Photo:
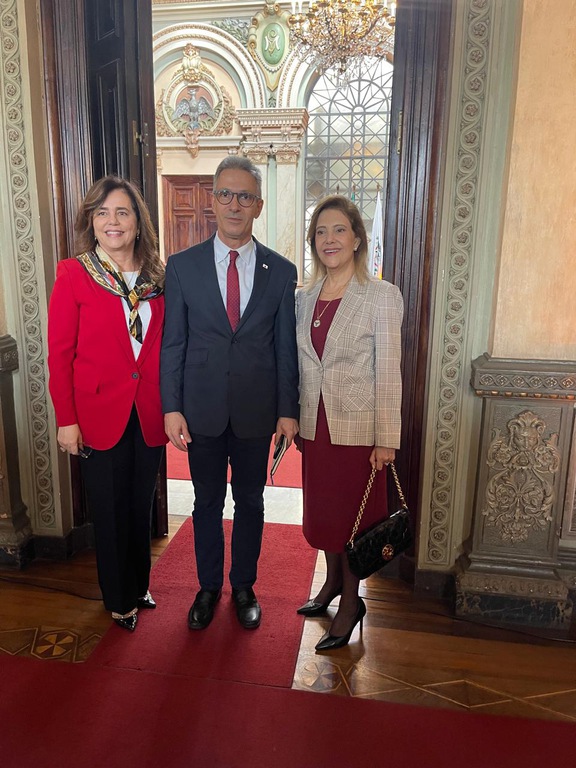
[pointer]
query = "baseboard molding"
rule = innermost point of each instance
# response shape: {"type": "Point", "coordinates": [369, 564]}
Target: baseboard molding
{"type": "Point", "coordinates": [17, 556]}
{"type": "Point", "coordinates": [64, 547]}
{"type": "Point", "coordinates": [434, 584]}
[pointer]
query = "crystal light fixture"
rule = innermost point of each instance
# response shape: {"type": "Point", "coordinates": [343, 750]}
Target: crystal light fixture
{"type": "Point", "coordinates": [339, 34]}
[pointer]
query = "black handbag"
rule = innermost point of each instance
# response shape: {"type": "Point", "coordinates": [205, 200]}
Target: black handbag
{"type": "Point", "coordinates": [383, 541]}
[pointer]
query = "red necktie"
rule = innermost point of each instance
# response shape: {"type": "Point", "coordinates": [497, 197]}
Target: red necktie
{"type": "Point", "coordinates": [233, 291]}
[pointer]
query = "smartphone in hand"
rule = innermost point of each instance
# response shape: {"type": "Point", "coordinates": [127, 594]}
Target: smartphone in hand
{"type": "Point", "coordinates": [279, 451]}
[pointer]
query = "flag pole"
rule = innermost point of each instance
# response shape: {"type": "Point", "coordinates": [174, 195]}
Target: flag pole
{"type": "Point", "coordinates": [376, 241]}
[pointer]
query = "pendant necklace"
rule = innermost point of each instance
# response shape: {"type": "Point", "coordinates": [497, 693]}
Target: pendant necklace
{"type": "Point", "coordinates": [316, 322]}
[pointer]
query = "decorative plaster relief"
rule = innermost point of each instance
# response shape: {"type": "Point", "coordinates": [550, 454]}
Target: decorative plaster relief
{"type": "Point", "coordinates": [471, 116]}
{"type": "Point", "coordinates": [516, 586]}
{"type": "Point", "coordinates": [18, 198]}
{"type": "Point", "coordinates": [268, 42]}
{"type": "Point", "coordinates": [238, 28]}
{"type": "Point", "coordinates": [220, 44]}
{"type": "Point", "coordinates": [520, 492]}
{"type": "Point", "coordinates": [277, 133]}
{"type": "Point", "coordinates": [194, 104]}
{"type": "Point", "coordinates": [519, 385]}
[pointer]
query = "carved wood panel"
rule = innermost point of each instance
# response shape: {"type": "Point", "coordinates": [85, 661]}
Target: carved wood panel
{"type": "Point", "coordinates": [188, 215]}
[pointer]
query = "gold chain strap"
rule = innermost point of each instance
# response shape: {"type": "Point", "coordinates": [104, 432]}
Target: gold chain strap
{"type": "Point", "coordinates": [398, 487]}
{"type": "Point", "coordinates": [365, 499]}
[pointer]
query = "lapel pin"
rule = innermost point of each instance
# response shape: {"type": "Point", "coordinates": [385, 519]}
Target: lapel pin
{"type": "Point", "coordinates": [265, 266]}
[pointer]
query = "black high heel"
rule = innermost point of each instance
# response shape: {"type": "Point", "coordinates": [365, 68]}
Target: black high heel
{"type": "Point", "coordinates": [147, 601]}
{"type": "Point", "coordinates": [329, 642]}
{"type": "Point", "coordinates": [127, 622]}
{"type": "Point", "coordinates": [312, 608]}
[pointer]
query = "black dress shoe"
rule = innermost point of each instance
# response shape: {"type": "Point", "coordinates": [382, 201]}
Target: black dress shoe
{"type": "Point", "coordinates": [330, 642]}
{"type": "Point", "coordinates": [202, 611]}
{"type": "Point", "coordinates": [127, 622]}
{"type": "Point", "coordinates": [247, 608]}
{"type": "Point", "coordinates": [312, 608]}
{"type": "Point", "coordinates": [146, 602]}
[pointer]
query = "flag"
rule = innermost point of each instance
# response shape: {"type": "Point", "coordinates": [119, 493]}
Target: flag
{"type": "Point", "coordinates": [376, 241]}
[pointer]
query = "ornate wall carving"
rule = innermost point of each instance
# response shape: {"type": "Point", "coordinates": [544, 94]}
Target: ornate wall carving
{"type": "Point", "coordinates": [471, 116]}
{"type": "Point", "coordinates": [17, 197]}
{"type": "Point", "coordinates": [277, 133]}
{"type": "Point", "coordinates": [519, 493]}
{"type": "Point", "coordinates": [238, 28]}
{"type": "Point", "coordinates": [194, 104]}
{"type": "Point", "coordinates": [513, 557]}
{"type": "Point", "coordinates": [454, 295]}
{"type": "Point", "coordinates": [268, 41]}
{"type": "Point", "coordinates": [217, 43]}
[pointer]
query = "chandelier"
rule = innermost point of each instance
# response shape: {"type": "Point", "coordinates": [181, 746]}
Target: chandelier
{"type": "Point", "coordinates": [339, 34]}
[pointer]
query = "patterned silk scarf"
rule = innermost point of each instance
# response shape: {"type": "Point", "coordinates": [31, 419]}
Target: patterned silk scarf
{"type": "Point", "coordinates": [102, 270]}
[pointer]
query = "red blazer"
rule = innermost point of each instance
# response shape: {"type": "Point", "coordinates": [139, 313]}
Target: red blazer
{"type": "Point", "coordinates": [94, 378]}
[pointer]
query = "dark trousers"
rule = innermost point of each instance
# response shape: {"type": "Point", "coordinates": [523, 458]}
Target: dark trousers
{"type": "Point", "coordinates": [120, 486]}
{"type": "Point", "coordinates": [208, 458]}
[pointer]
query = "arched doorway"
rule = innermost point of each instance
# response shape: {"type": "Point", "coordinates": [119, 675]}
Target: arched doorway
{"type": "Point", "coordinates": [416, 140]}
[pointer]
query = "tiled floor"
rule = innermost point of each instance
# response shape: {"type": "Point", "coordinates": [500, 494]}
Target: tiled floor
{"type": "Point", "coordinates": [413, 652]}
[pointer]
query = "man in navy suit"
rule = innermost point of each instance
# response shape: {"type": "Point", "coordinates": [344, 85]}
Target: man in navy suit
{"type": "Point", "coordinates": [229, 381]}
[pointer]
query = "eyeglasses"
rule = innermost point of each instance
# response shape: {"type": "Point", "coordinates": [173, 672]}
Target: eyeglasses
{"type": "Point", "coordinates": [225, 197]}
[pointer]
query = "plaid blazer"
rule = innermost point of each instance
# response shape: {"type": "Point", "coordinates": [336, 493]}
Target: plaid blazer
{"type": "Point", "coordinates": [359, 373]}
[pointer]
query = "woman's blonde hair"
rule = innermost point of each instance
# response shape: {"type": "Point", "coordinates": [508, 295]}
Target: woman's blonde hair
{"type": "Point", "coordinates": [347, 207]}
{"type": "Point", "coordinates": [146, 245]}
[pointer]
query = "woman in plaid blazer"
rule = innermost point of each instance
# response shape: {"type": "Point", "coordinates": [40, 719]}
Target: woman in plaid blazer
{"type": "Point", "coordinates": [348, 331]}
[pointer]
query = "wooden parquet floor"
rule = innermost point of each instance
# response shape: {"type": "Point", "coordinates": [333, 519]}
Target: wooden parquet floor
{"type": "Point", "coordinates": [411, 650]}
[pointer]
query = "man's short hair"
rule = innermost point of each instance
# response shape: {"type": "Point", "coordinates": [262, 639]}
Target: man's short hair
{"type": "Point", "coordinates": [239, 163]}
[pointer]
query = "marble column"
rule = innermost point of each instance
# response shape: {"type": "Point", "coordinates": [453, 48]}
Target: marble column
{"type": "Point", "coordinates": [275, 137]}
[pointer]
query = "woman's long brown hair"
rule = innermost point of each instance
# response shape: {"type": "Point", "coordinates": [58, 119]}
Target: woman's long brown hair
{"type": "Point", "coordinates": [146, 245]}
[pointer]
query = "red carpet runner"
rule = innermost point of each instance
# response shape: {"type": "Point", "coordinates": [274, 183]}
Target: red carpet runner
{"type": "Point", "coordinates": [85, 716]}
{"type": "Point", "coordinates": [288, 474]}
{"type": "Point", "coordinates": [224, 651]}
{"type": "Point", "coordinates": [166, 697]}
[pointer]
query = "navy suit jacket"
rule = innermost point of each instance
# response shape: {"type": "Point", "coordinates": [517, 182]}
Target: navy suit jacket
{"type": "Point", "coordinates": [215, 376]}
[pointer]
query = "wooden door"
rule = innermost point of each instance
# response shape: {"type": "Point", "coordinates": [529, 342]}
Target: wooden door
{"type": "Point", "coordinates": [121, 95]}
{"type": "Point", "coordinates": [100, 102]}
{"type": "Point", "coordinates": [188, 217]}
{"type": "Point", "coordinates": [121, 91]}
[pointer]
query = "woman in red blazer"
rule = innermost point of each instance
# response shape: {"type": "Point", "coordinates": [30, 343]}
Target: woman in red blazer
{"type": "Point", "coordinates": [104, 331]}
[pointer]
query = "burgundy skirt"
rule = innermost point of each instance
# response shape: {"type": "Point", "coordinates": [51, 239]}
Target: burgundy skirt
{"type": "Point", "coordinates": [334, 479]}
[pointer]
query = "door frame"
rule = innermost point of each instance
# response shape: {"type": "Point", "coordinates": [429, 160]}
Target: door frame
{"type": "Point", "coordinates": [417, 138]}
{"type": "Point", "coordinates": [418, 135]}
{"type": "Point", "coordinates": [70, 140]}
